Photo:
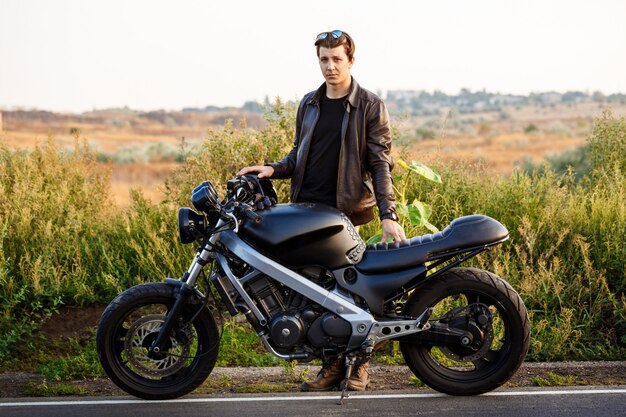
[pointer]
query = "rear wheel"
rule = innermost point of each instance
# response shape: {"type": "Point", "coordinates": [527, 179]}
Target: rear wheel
{"type": "Point", "coordinates": [495, 320]}
{"type": "Point", "coordinates": [129, 326]}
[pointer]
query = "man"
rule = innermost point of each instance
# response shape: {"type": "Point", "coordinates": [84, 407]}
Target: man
{"type": "Point", "coordinates": [341, 157]}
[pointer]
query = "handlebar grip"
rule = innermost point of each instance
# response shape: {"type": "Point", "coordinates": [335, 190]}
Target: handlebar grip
{"type": "Point", "coordinates": [250, 214]}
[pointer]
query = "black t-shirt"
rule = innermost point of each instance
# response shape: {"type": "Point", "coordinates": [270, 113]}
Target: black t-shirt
{"type": "Point", "coordinates": [319, 184]}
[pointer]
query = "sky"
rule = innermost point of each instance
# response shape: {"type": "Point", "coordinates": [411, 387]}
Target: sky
{"type": "Point", "coordinates": [79, 55]}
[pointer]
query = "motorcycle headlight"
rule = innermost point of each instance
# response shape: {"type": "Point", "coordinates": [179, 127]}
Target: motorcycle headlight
{"type": "Point", "coordinates": [191, 225]}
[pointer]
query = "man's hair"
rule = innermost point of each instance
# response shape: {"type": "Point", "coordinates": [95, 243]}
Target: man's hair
{"type": "Point", "coordinates": [331, 42]}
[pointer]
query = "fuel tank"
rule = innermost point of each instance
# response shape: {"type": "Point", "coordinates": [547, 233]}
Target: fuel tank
{"type": "Point", "coordinates": [304, 234]}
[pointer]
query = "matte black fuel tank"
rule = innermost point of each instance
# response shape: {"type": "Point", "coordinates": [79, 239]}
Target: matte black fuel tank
{"type": "Point", "coordinates": [305, 234]}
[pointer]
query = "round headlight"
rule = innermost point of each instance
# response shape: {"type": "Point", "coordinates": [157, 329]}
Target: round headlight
{"type": "Point", "coordinates": [191, 225]}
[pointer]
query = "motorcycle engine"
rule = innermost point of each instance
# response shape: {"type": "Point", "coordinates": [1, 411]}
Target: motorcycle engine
{"type": "Point", "coordinates": [294, 319]}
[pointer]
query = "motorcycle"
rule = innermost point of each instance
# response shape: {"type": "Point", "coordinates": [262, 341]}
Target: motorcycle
{"type": "Point", "coordinates": [311, 289]}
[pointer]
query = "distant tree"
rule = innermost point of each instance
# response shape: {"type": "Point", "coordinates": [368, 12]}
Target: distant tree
{"type": "Point", "coordinates": [598, 96]}
{"type": "Point", "coordinates": [531, 128]}
{"type": "Point", "coordinates": [574, 96]}
{"type": "Point", "coordinates": [252, 106]}
{"type": "Point", "coordinates": [425, 133]}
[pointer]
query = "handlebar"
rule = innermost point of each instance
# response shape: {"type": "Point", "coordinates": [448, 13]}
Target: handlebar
{"type": "Point", "coordinates": [251, 215]}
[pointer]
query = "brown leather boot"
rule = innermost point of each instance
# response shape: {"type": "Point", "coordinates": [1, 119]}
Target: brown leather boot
{"type": "Point", "coordinates": [359, 378]}
{"type": "Point", "coordinates": [328, 378]}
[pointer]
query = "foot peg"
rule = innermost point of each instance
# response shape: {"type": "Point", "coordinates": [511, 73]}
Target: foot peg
{"type": "Point", "coordinates": [422, 321]}
{"type": "Point", "coordinates": [383, 330]}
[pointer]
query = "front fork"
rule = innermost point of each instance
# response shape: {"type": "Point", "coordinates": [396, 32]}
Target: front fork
{"type": "Point", "coordinates": [170, 320]}
{"type": "Point", "coordinates": [187, 284]}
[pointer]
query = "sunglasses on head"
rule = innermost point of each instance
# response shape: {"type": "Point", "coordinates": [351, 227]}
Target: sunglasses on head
{"type": "Point", "coordinates": [336, 34]}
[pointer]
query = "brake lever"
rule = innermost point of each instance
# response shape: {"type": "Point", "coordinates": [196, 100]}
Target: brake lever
{"type": "Point", "coordinates": [232, 216]}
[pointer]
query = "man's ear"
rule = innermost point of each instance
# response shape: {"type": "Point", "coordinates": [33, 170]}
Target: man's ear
{"type": "Point", "coordinates": [352, 62]}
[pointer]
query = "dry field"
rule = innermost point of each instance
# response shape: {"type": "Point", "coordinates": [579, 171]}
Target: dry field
{"type": "Point", "coordinates": [116, 134]}
{"type": "Point", "coordinates": [502, 143]}
{"type": "Point", "coordinates": [499, 153]}
{"type": "Point", "coordinates": [499, 141]}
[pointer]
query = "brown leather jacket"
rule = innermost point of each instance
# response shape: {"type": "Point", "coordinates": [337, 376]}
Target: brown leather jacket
{"type": "Point", "coordinates": [365, 161]}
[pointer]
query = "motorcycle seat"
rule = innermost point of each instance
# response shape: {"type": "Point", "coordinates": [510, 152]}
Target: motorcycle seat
{"type": "Point", "coordinates": [464, 232]}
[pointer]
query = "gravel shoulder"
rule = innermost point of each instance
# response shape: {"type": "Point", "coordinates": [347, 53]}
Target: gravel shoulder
{"type": "Point", "coordinates": [78, 323]}
{"type": "Point", "coordinates": [287, 379]}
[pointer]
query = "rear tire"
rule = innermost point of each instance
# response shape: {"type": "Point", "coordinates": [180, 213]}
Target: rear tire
{"type": "Point", "coordinates": [129, 325]}
{"type": "Point", "coordinates": [505, 341]}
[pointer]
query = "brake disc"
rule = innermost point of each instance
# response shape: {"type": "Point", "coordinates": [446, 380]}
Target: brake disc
{"type": "Point", "coordinates": [139, 338]}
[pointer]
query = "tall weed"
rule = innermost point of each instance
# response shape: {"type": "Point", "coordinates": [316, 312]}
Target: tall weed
{"type": "Point", "coordinates": [567, 250]}
{"type": "Point", "coordinates": [62, 241]}
{"type": "Point", "coordinates": [226, 151]}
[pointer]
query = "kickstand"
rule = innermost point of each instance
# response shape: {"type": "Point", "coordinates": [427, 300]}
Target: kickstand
{"type": "Point", "coordinates": [350, 360]}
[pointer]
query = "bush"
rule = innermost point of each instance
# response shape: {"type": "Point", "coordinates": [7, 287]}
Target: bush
{"type": "Point", "coordinates": [608, 144]}
{"type": "Point", "coordinates": [63, 242]}
{"type": "Point", "coordinates": [226, 151]}
{"type": "Point", "coordinates": [575, 161]}
{"type": "Point", "coordinates": [567, 250]}
{"type": "Point", "coordinates": [604, 151]}
{"type": "Point", "coordinates": [531, 128]}
{"type": "Point", "coordinates": [51, 207]}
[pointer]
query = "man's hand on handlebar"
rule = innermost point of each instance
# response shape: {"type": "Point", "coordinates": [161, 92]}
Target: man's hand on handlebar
{"type": "Point", "coordinates": [263, 171]}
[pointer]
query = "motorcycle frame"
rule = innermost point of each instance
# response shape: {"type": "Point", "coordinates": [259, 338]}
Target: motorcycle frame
{"type": "Point", "coordinates": [366, 330]}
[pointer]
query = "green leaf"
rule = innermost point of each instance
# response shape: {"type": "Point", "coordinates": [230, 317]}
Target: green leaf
{"type": "Point", "coordinates": [374, 239]}
{"type": "Point", "coordinates": [402, 164]}
{"type": "Point", "coordinates": [419, 213]}
{"type": "Point", "coordinates": [402, 209]}
{"type": "Point", "coordinates": [424, 208]}
{"type": "Point", "coordinates": [421, 169]}
{"type": "Point", "coordinates": [416, 217]}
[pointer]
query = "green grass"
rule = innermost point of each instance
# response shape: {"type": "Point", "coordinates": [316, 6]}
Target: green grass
{"type": "Point", "coordinates": [63, 242]}
{"type": "Point", "coordinates": [240, 346]}
{"type": "Point", "coordinates": [261, 387]}
{"type": "Point", "coordinates": [555, 380]}
{"type": "Point", "coordinates": [415, 381]}
{"type": "Point", "coordinates": [54, 390]}
{"type": "Point", "coordinates": [80, 362]}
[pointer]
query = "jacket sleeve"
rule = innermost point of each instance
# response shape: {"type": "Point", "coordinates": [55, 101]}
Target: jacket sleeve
{"type": "Point", "coordinates": [379, 160]}
{"type": "Point", "coordinates": [284, 168]}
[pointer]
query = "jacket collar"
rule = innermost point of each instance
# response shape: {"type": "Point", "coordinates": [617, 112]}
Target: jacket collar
{"type": "Point", "coordinates": [353, 97]}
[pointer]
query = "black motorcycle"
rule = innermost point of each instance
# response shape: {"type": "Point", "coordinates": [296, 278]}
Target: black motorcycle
{"type": "Point", "coordinates": [311, 288]}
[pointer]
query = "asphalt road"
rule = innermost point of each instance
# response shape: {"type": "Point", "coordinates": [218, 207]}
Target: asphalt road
{"type": "Point", "coordinates": [588, 401]}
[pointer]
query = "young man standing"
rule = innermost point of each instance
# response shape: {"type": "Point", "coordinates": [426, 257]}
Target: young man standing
{"type": "Point", "coordinates": [341, 157]}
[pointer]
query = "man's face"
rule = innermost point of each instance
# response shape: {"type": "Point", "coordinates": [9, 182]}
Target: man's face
{"type": "Point", "coordinates": [335, 65]}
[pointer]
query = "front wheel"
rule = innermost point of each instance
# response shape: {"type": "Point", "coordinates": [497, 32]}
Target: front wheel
{"type": "Point", "coordinates": [131, 323]}
{"type": "Point", "coordinates": [493, 317]}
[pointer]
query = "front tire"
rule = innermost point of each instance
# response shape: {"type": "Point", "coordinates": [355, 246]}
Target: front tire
{"type": "Point", "coordinates": [130, 324]}
{"type": "Point", "coordinates": [500, 345]}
